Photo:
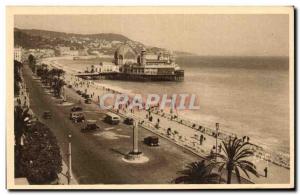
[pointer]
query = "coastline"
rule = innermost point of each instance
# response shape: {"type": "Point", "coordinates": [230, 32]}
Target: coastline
{"type": "Point", "coordinates": [263, 153]}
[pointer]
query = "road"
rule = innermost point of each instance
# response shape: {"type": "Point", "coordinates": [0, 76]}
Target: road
{"type": "Point", "coordinates": [97, 157]}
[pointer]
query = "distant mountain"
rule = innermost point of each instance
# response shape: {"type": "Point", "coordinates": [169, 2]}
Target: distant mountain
{"type": "Point", "coordinates": [63, 35]}
{"type": "Point", "coordinates": [103, 42]}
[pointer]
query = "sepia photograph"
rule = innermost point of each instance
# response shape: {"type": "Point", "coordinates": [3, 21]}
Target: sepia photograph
{"type": "Point", "coordinates": [150, 97]}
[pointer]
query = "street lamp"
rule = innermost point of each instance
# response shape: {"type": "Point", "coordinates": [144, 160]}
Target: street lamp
{"type": "Point", "coordinates": [69, 174]}
{"type": "Point", "coordinates": [217, 132]}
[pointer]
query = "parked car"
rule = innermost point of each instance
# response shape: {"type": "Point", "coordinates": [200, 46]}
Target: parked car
{"type": "Point", "coordinates": [77, 117]}
{"type": "Point", "coordinates": [112, 118]}
{"type": "Point", "coordinates": [78, 92]}
{"type": "Point", "coordinates": [85, 95]}
{"type": "Point", "coordinates": [69, 86]}
{"type": "Point", "coordinates": [90, 126]}
{"type": "Point", "coordinates": [76, 109]}
{"type": "Point", "coordinates": [88, 101]}
{"type": "Point", "coordinates": [128, 121]}
{"type": "Point", "coordinates": [47, 115]}
{"type": "Point", "coordinates": [151, 141]}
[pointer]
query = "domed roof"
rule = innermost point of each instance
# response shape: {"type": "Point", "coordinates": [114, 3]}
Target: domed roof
{"type": "Point", "coordinates": [125, 51]}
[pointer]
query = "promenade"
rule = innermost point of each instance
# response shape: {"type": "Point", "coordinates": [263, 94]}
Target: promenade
{"type": "Point", "coordinates": [97, 157]}
{"type": "Point", "coordinates": [181, 134]}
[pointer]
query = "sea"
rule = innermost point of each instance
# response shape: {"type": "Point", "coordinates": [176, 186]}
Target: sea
{"type": "Point", "coordinates": [248, 96]}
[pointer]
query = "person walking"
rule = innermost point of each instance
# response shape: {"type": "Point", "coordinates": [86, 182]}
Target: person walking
{"type": "Point", "coordinates": [201, 139]}
{"type": "Point", "coordinates": [266, 172]}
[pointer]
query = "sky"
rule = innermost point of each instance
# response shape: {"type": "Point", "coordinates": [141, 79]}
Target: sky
{"type": "Point", "coordinates": [202, 34]}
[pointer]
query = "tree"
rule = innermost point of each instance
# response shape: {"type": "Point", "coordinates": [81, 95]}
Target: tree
{"type": "Point", "coordinates": [20, 123]}
{"type": "Point", "coordinates": [17, 77]}
{"type": "Point", "coordinates": [233, 158]}
{"type": "Point", "coordinates": [41, 158]}
{"type": "Point", "coordinates": [32, 62]}
{"type": "Point", "coordinates": [198, 173]}
{"type": "Point", "coordinates": [20, 126]}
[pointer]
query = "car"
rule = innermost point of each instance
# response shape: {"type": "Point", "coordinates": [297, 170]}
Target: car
{"type": "Point", "coordinates": [77, 117]}
{"type": "Point", "coordinates": [90, 126]}
{"type": "Point", "coordinates": [151, 141]}
{"type": "Point", "coordinates": [128, 121]}
{"type": "Point", "coordinates": [78, 92]}
{"type": "Point", "coordinates": [85, 95]}
{"type": "Point", "coordinates": [76, 109]}
{"type": "Point", "coordinates": [88, 101]}
{"type": "Point", "coordinates": [112, 118]}
{"type": "Point", "coordinates": [47, 115]}
{"type": "Point", "coordinates": [69, 86]}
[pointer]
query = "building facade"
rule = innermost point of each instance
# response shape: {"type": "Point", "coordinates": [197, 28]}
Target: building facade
{"type": "Point", "coordinates": [18, 54]}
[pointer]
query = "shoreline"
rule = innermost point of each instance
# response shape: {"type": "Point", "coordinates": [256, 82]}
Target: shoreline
{"type": "Point", "coordinates": [97, 86]}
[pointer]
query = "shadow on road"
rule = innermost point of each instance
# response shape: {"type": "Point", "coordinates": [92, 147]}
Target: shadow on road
{"type": "Point", "coordinates": [117, 151]}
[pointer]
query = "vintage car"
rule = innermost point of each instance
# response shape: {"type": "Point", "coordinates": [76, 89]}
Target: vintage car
{"type": "Point", "coordinates": [77, 117]}
{"type": "Point", "coordinates": [78, 92]}
{"type": "Point", "coordinates": [128, 121]}
{"type": "Point", "coordinates": [88, 101]}
{"type": "Point", "coordinates": [151, 141]}
{"type": "Point", "coordinates": [76, 109]}
{"type": "Point", "coordinates": [47, 115]}
{"type": "Point", "coordinates": [90, 126]}
{"type": "Point", "coordinates": [112, 118]}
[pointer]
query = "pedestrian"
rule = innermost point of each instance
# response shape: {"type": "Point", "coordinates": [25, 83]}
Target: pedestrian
{"type": "Point", "coordinates": [150, 118]}
{"type": "Point", "coordinates": [266, 171]}
{"type": "Point", "coordinates": [169, 131]}
{"type": "Point", "coordinates": [244, 137]}
{"type": "Point", "coordinates": [201, 139]}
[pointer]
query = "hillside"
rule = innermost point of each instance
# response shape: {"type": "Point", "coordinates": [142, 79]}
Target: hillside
{"type": "Point", "coordinates": [101, 42]}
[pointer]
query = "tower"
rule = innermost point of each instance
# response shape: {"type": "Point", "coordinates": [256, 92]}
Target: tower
{"type": "Point", "coordinates": [143, 57]}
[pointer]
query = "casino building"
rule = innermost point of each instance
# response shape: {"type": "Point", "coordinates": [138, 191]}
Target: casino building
{"type": "Point", "coordinates": [144, 67]}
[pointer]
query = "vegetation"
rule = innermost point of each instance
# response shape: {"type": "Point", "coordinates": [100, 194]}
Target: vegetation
{"type": "Point", "coordinates": [233, 158]}
{"type": "Point", "coordinates": [41, 158]}
{"type": "Point", "coordinates": [198, 173]}
{"type": "Point", "coordinates": [37, 156]}
{"type": "Point", "coordinates": [52, 78]}
{"type": "Point", "coordinates": [17, 77]}
{"type": "Point", "coordinates": [32, 62]}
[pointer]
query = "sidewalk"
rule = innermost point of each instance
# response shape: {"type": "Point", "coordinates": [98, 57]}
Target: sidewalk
{"type": "Point", "coordinates": [63, 180]}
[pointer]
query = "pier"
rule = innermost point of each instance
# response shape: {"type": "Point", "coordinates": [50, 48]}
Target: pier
{"type": "Point", "coordinates": [177, 76]}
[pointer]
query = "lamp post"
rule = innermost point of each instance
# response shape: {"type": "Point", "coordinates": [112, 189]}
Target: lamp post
{"type": "Point", "coordinates": [217, 132]}
{"type": "Point", "coordinates": [69, 174]}
{"type": "Point", "coordinates": [135, 148]}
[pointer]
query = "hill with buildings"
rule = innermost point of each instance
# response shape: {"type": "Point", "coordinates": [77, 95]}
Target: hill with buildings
{"type": "Point", "coordinates": [105, 43]}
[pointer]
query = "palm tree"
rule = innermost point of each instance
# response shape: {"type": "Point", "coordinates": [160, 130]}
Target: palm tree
{"type": "Point", "coordinates": [198, 173]}
{"type": "Point", "coordinates": [20, 116]}
{"type": "Point", "coordinates": [233, 158]}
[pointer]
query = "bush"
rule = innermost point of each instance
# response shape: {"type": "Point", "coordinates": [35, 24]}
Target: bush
{"type": "Point", "coordinates": [41, 158]}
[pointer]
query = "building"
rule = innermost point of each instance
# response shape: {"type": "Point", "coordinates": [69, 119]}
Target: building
{"type": "Point", "coordinates": [146, 67]}
{"type": "Point", "coordinates": [124, 55]}
{"type": "Point", "coordinates": [66, 51]}
{"type": "Point", "coordinates": [18, 54]}
{"type": "Point", "coordinates": [129, 65]}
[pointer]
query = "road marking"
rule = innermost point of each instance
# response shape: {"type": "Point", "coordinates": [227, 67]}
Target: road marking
{"type": "Point", "coordinates": [108, 128]}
